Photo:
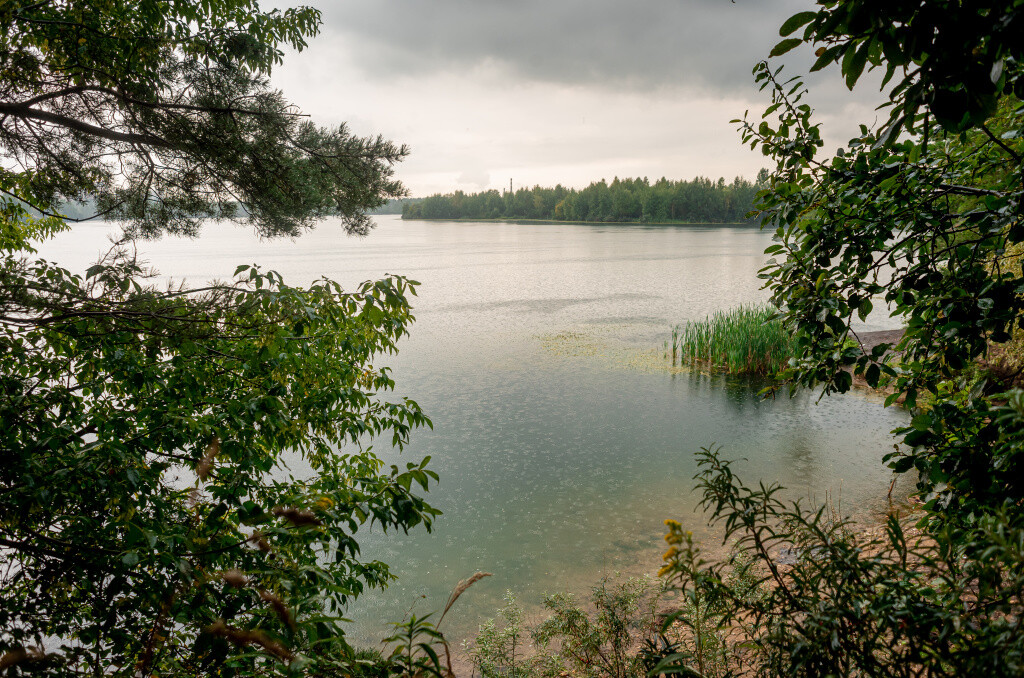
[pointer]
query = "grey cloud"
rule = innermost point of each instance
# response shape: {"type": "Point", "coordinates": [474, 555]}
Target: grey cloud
{"type": "Point", "coordinates": [633, 44]}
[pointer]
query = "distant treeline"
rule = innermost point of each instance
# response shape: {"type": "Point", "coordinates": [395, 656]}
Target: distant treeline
{"type": "Point", "coordinates": [78, 211]}
{"type": "Point", "coordinates": [702, 201]}
{"type": "Point", "coordinates": [393, 206]}
{"type": "Point", "coordinates": [87, 209]}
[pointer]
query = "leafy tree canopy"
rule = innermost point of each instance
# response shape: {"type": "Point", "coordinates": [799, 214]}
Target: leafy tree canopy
{"type": "Point", "coordinates": [149, 524]}
{"type": "Point", "coordinates": [920, 216]}
{"type": "Point", "coordinates": [163, 111]}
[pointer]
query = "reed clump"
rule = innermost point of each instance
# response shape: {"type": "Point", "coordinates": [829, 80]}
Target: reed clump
{"type": "Point", "coordinates": [748, 340]}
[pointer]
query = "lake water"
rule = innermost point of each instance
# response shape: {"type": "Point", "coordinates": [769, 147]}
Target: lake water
{"type": "Point", "coordinates": [562, 440]}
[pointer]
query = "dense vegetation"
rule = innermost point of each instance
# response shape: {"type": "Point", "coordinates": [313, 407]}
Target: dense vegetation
{"type": "Point", "coordinates": [847, 602]}
{"type": "Point", "coordinates": [597, 637]}
{"type": "Point", "coordinates": [745, 340]}
{"type": "Point", "coordinates": [148, 525]}
{"type": "Point", "coordinates": [923, 214]}
{"type": "Point", "coordinates": [701, 201]}
{"type": "Point", "coordinates": [144, 533]}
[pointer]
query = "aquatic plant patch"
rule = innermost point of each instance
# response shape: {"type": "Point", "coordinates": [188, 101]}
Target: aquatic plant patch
{"type": "Point", "coordinates": [742, 340]}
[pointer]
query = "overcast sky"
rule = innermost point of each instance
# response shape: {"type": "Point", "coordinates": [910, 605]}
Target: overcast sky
{"type": "Point", "coordinates": [554, 91]}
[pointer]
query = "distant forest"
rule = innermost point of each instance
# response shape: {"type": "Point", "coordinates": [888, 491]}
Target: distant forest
{"type": "Point", "coordinates": [393, 206]}
{"type": "Point", "coordinates": [87, 209]}
{"type": "Point", "coordinates": [701, 201]}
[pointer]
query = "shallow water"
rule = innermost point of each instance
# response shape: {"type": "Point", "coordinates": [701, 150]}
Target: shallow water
{"type": "Point", "coordinates": [561, 439]}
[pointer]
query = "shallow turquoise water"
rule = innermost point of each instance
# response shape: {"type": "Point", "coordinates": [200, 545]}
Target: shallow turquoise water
{"type": "Point", "coordinates": [561, 440]}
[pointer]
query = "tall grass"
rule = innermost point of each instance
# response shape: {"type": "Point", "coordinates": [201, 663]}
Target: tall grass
{"type": "Point", "coordinates": [743, 340]}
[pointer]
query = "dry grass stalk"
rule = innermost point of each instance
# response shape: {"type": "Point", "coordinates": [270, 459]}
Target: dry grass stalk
{"type": "Point", "coordinates": [279, 607]}
{"type": "Point", "coordinates": [244, 637]}
{"type": "Point", "coordinates": [234, 578]}
{"type": "Point", "coordinates": [459, 589]}
{"type": "Point", "coordinates": [297, 517]}
{"type": "Point", "coordinates": [21, 656]}
{"type": "Point", "coordinates": [206, 463]}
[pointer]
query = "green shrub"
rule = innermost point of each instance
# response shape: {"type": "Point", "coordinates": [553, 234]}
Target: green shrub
{"type": "Point", "coordinates": [502, 651]}
{"type": "Point", "coordinates": [852, 604]}
{"type": "Point", "coordinates": [606, 643]}
{"type": "Point", "coordinates": [609, 638]}
{"type": "Point", "coordinates": [414, 648]}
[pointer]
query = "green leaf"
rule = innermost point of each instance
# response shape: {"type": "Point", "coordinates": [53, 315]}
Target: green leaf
{"type": "Point", "coordinates": [854, 62]}
{"type": "Point", "coordinates": [902, 465]}
{"type": "Point", "coordinates": [826, 57]}
{"type": "Point", "coordinates": [796, 21]}
{"type": "Point", "coordinates": [872, 375]}
{"type": "Point", "coordinates": [864, 309]}
{"type": "Point", "coordinates": [785, 46]}
{"type": "Point", "coordinates": [916, 437]}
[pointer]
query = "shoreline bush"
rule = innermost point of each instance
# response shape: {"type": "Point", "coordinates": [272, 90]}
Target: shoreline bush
{"type": "Point", "coordinates": [853, 603]}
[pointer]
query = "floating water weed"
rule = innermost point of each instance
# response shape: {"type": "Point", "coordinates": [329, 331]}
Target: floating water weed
{"type": "Point", "coordinates": [743, 340]}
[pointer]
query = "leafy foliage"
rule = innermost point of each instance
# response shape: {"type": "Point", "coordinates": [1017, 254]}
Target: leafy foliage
{"type": "Point", "coordinates": [149, 520]}
{"type": "Point", "coordinates": [921, 215]}
{"type": "Point", "coordinates": [602, 638]}
{"type": "Point", "coordinates": [162, 111]}
{"type": "Point", "coordinates": [502, 651]}
{"type": "Point", "coordinates": [702, 640]}
{"type": "Point", "coordinates": [916, 217]}
{"type": "Point", "coordinates": [147, 438]}
{"type": "Point", "coordinates": [604, 645]}
{"type": "Point", "coordinates": [852, 603]}
{"type": "Point", "coordinates": [413, 650]}
{"type": "Point", "coordinates": [956, 60]}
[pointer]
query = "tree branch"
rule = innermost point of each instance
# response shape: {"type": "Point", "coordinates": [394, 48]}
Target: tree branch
{"type": "Point", "coordinates": [148, 104]}
{"type": "Point", "coordinates": [999, 142]}
{"type": "Point", "coordinates": [26, 112]}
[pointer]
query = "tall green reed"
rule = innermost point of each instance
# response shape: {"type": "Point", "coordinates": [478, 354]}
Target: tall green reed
{"type": "Point", "coordinates": [744, 340]}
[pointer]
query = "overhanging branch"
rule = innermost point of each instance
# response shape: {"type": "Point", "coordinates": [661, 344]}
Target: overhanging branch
{"type": "Point", "coordinates": [69, 91]}
{"type": "Point", "coordinates": [29, 113]}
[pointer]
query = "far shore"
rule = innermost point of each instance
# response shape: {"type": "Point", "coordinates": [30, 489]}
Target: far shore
{"type": "Point", "coordinates": [592, 223]}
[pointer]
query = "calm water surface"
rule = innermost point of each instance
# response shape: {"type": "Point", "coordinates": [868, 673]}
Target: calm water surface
{"type": "Point", "coordinates": [561, 439]}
